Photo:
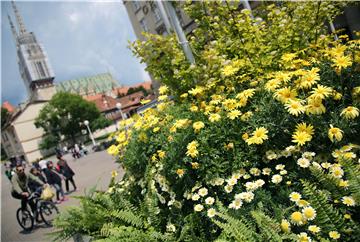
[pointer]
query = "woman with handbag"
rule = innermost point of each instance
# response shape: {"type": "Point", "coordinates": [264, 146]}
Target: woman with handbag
{"type": "Point", "coordinates": [67, 172]}
{"type": "Point", "coordinates": [54, 179]}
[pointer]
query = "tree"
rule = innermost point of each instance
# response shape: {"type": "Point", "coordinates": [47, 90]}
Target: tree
{"type": "Point", "coordinates": [137, 89]}
{"type": "Point", "coordinates": [65, 114]}
{"type": "Point", "coordinates": [49, 142]}
{"type": "Point", "coordinates": [4, 116]}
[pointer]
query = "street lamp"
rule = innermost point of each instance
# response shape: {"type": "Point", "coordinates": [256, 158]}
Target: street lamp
{"type": "Point", "coordinates": [91, 135]}
{"type": "Point", "coordinates": [118, 106]}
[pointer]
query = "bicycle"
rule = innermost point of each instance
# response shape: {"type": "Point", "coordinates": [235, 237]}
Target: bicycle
{"type": "Point", "coordinates": [46, 209]}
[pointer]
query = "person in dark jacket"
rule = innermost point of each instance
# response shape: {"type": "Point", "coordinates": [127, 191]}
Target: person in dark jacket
{"type": "Point", "coordinates": [67, 172]}
{"type": "Point", "coordinates": [34, 185]}
{"type": "Point", "coordinates": [54, 179]}
{"type": "Point", "coordinates": [20, 188]}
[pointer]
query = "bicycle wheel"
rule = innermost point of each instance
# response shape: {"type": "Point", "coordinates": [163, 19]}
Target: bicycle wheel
{"type": "Point", "coordinates": [25, 219]}
{"type": "Point", "coordinates": [48, 212]}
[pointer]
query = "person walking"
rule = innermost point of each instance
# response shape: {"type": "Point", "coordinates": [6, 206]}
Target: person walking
{"type": "Point", "coordinates": [67, 172]}
{"type": "Point", "coordinates": [54, 179]}
{"type": "Point", "coordinates": [43, 164]}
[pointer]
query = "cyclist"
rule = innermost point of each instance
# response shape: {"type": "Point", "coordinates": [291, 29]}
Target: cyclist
{"type": "Point", "coordinates": [20, 188]}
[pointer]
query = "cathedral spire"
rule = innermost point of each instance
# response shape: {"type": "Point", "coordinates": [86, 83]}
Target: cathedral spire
{"type": "Point", "coordinates": [13, 30]}
{"type": "Point", "coordinates": [19, 19]}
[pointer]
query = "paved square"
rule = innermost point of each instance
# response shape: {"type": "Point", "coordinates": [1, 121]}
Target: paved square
{"type": "Point", "coordinates": [94, 169]}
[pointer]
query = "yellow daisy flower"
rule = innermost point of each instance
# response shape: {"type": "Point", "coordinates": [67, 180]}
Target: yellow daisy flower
{"type": "Point", "coordinates": [315, 106]}
{"type": "Point", "coordinates": [295, 107]}
{"type": "Point", "coordinates": [350, 112]}
{"type": "Point", "coordinates": [295, 196]}
{"type": "Point", "coordinates": [342, 61]}
{"type": "Point", "coordinates": [163, 90]}
{"type": "Point", "coordinates": [300, 138]}
{"type": "Point", "coordinates": [180, 172]}
{"type": "Point", "coordinates": [321, 92]}
{"type": "Point", "coordinates": [314, 229]}
{"type": "Point", "coordinates": [198, 125]}
{"type": "Point", "coordinates": [334, 235]}
{"type": "Point", "coordinates": [285, 226]}
{"type": "Point", "coordinates": [348, 201]}
{"type": "Point", "coordinates": [233, 114]}
{"type": "Point", "coordinates": [307, 128]}
{"type": "Point", "coordinates": [214, 117]}
{"type": "Point", "coordinates": [285, 94]}
{"type": "Point", "coordinates": [309, 213]}
{"type": "Point", "coordinates": [296, 218]}
{"type": "Point", "coordinates": [335, 133]}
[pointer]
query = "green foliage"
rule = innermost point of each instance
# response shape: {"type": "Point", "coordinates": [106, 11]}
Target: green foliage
{"type": "Point", "coordinates": [5, 115]}
{"type": "Point", "coordinates": [64, 114]}
{"type": "Point", "coordinates": [353, 171]}
{"type": "Point", "coordinates": [49, 142]}
{"type": "Point", "coordinates": [251, 147]}
{"type": "Point", "coordinates": [327, 216]}
{"type": "Point", "coordinates": [137, 89]}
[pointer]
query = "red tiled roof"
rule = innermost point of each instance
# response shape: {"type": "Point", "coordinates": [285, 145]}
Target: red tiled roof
{"type": "Point", "coordinates": [93, 97]}
{"type": "Point", "coordinates": [129, 102]}
{"type": "Point", "coordinates": [102, 102]}
{"type": "Point", "coordinates": [8, 106]}
{"type": "Point", "coordinates": [124, 90]}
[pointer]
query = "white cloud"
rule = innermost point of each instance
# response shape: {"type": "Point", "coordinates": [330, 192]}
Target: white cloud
{"type": "Point", "coordinates": [74, 18]}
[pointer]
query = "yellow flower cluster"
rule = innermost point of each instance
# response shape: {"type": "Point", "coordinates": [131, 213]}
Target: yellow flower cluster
{"type": "Point", "coordinates": [303, 134]}
{"type": "Point", "coordinates": [258, 136]}
{"type": "Point", "coordinates": [192, 149]}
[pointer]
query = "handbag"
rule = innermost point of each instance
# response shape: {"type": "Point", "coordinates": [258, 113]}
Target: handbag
{"type": "Point", "coordinates": [47, 193]}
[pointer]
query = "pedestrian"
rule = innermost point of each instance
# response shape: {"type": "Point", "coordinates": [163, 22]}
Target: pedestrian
{"type": "Point", "coordinates": [54, 179]}
{"type": "Point", "coordinates": [33, 183]}
{"type": "Point", "coordinates": [8, 171]}
{"type": "Point", "coordinates": [58, 151]}
{"type": "Point", "coordinates": [65, 149]}
{"type": "Point", "coordinates": [43, 164]}
{"type": "Point", "coordinates": [67, 172]}
{"type": "Point", "coordinates": [77, 150]}
{"type": "Point", "coordinates": [83, 148]}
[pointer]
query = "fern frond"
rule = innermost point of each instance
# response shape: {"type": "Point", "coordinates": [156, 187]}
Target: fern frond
{"type": "Point", "coordinates": [270, 229]}
{"type": "Point", "coordinates": [327, 216]}
{"type": "Point", "coordinates": [128, 217]}
{"type": "Point", "coordinates": [236, 228]}
{"type": "Point", "coordinates": [328, 181]}
{"type": "Point", "coordinates": [353, 175]}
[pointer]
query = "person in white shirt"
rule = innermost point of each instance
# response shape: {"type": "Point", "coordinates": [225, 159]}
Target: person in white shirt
{"type": "Point", "coordinates": [43, 164]}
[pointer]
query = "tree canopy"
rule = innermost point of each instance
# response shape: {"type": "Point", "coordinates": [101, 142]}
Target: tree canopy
{"type": "Point", "coordinates": [4, 116]}
{"type": "Point", "coordinates": [65, 114]}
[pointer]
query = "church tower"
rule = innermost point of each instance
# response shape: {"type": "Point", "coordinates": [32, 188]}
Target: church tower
{"type": "Point", "coordinates": [34, 66]}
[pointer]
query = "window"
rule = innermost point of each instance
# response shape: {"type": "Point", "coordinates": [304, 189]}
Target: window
{"type": "Point", "coordinates": [178, 13]}
{"type": "Point", "coordinates": [136, 5]}
{"type": "Point", "coordinates": [40, 69]}
{"type": "Point", "coordinates": [5, 137]}
{"type": "Point", "coordinates": [161, 30]}
{"type": "Point", "coordinates": [143, 25]}
{"type": "Point", "coordinates": [157, 15]}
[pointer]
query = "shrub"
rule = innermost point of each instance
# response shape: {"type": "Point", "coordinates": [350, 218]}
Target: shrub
{"type": "Point", "coordinates": [263, 147]}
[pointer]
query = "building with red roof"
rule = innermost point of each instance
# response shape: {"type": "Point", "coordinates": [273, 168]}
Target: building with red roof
{"type": "Point", "coordinates": [8, 107]}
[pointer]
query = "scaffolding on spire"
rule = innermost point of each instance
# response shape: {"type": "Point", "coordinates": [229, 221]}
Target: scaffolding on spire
{"type": "Point", "coordinates": [19, 19]}
{"type": "Point", "coordinates": [13, 30]}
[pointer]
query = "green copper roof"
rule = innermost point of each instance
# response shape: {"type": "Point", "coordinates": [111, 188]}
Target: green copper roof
{"type": "Point", "coordinates": [88, 85]}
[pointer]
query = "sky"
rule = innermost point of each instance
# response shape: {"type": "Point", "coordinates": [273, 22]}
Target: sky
{"type": "Point", "coordinates": [80, 38]}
